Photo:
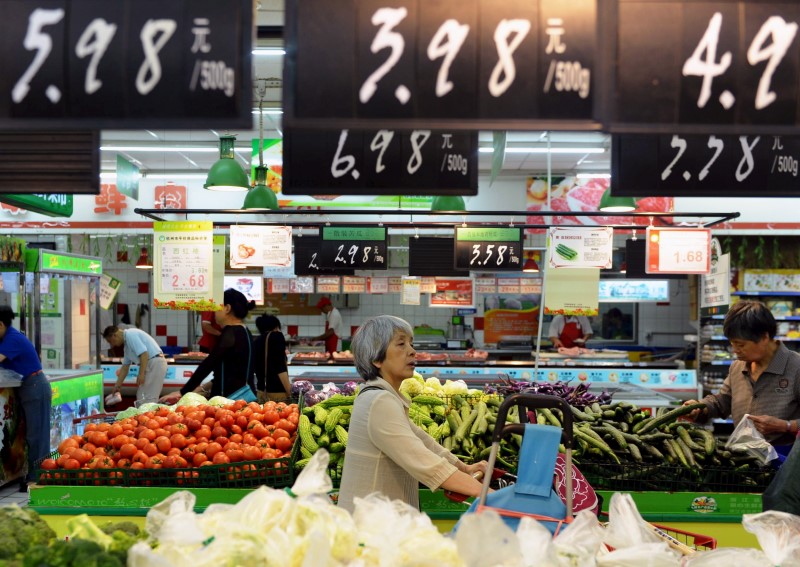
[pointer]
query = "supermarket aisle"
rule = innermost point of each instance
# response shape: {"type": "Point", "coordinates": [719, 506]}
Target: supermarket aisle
{"type": "Point", "coordinates": [10, 494]}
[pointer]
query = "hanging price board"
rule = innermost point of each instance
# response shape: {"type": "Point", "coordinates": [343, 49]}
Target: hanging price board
{"type": "Point", "coordinates": [307, 258]}
{"type": "Point", "coordinates": [253, 245]}
{"type": "Point", "coordinates": [354, 247]}
{"type": "Point", "coordinates": [678, 250]}
{"type": "Point", "coordinates": [488, 249]}
{"type": "Point", "coordinates": [182, 270]}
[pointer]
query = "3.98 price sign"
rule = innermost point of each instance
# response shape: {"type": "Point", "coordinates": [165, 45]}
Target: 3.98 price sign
{"type": "Point", "coordinates": [733, 65]}
{"type": "Point", "coordinates": [488, 249]}
{"type": "Point", "coordinates": [381, 162]}
{"type": "Point", "coordinates": [449, 64]}
{"type": "Point", "coordinates": [355, 247]}
{"type": "Point", "coordinates": [127, 63]}
{"type": "Point", "coordinates": [678, 251]}
{"type": "Point", "coordinates": [712, 166]}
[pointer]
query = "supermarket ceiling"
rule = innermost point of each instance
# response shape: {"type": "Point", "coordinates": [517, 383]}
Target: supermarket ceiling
{"type": "Point", "coordinates": [190, 153]}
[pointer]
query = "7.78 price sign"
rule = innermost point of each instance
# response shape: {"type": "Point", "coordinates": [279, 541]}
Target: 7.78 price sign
{"type": "Point", "coordinates": [678, 251]}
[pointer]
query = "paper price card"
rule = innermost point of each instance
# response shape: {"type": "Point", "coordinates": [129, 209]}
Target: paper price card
{"type": "Point", "coordinates": [183, 264]}
{"type": "Point", "coordinates": [378, 285]}
{"type": "Point", "coordinates": [395, 285]}
{"type": "Point", "coordinates": [530, 285]}
{"type": "Point", "coordinates": [411, 291]}
{"type": "Point", "coordinates": [485, 285]}
{"type": "Point", "coordinates": [428, 285]}
{"type": "Point", "coordinates": [279, 285]}
{"type": "Point", "coordinates": [354, 284]}
{"type": "Point", "coordinates": [508, 285]}
{"type": "Point", "coordinates": [678, 251]}
{"type": "Point", "coordinates": [301, 285]}
{"type": "Point", "coordinates": [579, 247]}
{"type": "Point", "coordinates": [261, 245]}
{"type": "Point", "coordinates": [328, 284]}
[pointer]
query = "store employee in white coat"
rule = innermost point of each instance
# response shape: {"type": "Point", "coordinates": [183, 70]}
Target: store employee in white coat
{"type": "Point", "coordinates": [142, 348]}
{"type": "Point", "coordinates": [570, 330]}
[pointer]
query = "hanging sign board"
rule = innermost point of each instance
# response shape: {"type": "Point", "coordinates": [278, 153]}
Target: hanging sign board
{"type": "Point", "coordinates": [52, 205]}
{"type": "Point", "coordinates": [704, 66]}
{"type": "Point", "coordinates": [715, 289]}
{"type": "Point", "coordinates": [488, 64]}
{"type": "Point", "coordinates": [253, 245]}
{"type": "Point", "coordinates": [182, 265]}
{"type": "Point", "coordinates": [705, 166]}
{"type": "Point", "coordinates": [381, 162]}
{"type": "Point", "coordinates": [453, 293]}
{"type": "Point", "coordinates": [307, 254]}
{"type": "Point", "coordinates": [678, 250]}
{"type": "Point", "coordinates": [356, 247]}
{"type": "Point", "coordinates": [488, 249]}
{"type": "Point", "coordinates": [109, 288]}
{"type": "Point", "coordinates": [580, 247]}
{"type": "Point", "coordinates": [126, 64]}
{"type": "Point", "coordinates": [572, 292]}
{"type": "Point", "coordinates": [63, 262]}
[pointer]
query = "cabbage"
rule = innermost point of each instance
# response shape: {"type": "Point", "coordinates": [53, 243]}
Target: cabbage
{"type": "Point", "coordinates": [433, 383]}
{"type": "Point", "coordinates": [411, 387]}
{"type": "Point", "coordinates": [152, 406]}
{"type": "Point", "coordinates": [350, 388]}
{"type": "Point", "coordinates": [301, 387]}
{"type": "Point", "coordinates": [330, 389]}
{"type": "Point", "coordinates": [418, 377]}
{"type": "Point", "coordinates": [191, 399]}
{"type": "Point", "coordinates": [454, 388]}
{"type": "Point", "coordinates": [312, 397]}
{"type": "Point", "coordinates": [219, 401]}
{"type": "Point", "coordinates": [130, 412]}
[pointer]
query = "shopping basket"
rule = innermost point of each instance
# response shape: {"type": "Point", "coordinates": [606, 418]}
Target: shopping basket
{"type": "Point", "coordinates": [533, 494]}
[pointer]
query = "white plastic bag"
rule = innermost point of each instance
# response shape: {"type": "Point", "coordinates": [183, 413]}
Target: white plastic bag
{"type": "Point", "coordinates": [747, 438]}
{"type": "Point", "coordinates": [734, 556]}
{"type": "Point", "coordinates": [478, 533]}
{"type": "Point", "coordinates": [778, 535]}
{"type": "Point", "coordinates": [578, 543]}
{"type": "Point", "coordinates": [641, 555]}
{"type": "Point", "coordinates": [113, 399]}
{"type": "Point", "coordinates": [626, 527]}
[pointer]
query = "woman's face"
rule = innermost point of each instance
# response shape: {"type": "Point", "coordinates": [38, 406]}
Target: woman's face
{"type": "Point", "coordinates": [400, 359]}
{"type": "Point", "coordinates": [751, 351]}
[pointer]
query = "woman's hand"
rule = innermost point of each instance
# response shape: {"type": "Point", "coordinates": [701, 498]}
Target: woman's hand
{"type": "Point", "coordinates": [766, 424]}
{"type": "Point", "coordinates": [695, 414]}
{"type": "Point", "coordinates": [170, 398]}
{"type": "Point", "coordinates": [476, 468]}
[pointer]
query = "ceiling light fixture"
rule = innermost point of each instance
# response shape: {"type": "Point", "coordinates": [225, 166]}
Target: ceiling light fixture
{"type": "Point", "coordinates": [530, 265]}
{"type": "Point", "coordinates": [544, 150]}
{"type": "Point", "coordinates": [448, 203]}
{"type": "Point", "coordinates": [269, 51]}
{"type": "Point", "coordinates": [226, 174]}
{"type": "Point", "coordinates": [611, 204]}
{"type": "Point", "coordinates": [260, 196]}
{"type": "Point", "coordinates": [593, 176]}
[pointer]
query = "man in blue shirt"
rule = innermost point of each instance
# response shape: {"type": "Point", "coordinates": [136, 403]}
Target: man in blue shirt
{"type": "Point", "coordinates": [143, 349]}
{"type": "Point", "coordinates": [35, 396]}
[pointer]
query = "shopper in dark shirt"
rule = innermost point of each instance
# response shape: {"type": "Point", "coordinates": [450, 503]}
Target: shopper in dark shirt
{"type": "Point", "coordinates": [269, 359]}
{"type": "Point", "coordinates": [231, 359]}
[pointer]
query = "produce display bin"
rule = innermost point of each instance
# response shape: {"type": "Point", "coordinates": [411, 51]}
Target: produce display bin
{"type": "Point", "coordinates": [659, 477]}
{"type": "Point", "coordinates": [695, 541]}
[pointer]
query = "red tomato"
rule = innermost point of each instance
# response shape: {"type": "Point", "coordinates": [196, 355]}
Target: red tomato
{"type": "Point", "coordinates": [219, 432]}
{"type": "Point", "coordinates": [286, 412]}
{"type": "Point", "coordinates": [251, 453]}
{"type": "Point", "coordinates": [241, 421]}
{"type": "Point", "coordinates": [127, 451]}
{"type": "Point", "coordinates": [249, 439]}
{"type": "Point", "coordinates": [235, 438]}
{"type": "Point", "coordinates": [179, 428]}
{"type": "Point", "coordinates": [283, 444]}
{"type": "Point", "coordinates": [226, 421]}
{"type": "Point", "coordinates": [286, 425]}
{"type": "Point", "coordinates": [72, 464]}
{"type": "Point", "coordinates": [114, 430]}
{"type": "Point", "coordinates": [67, 444]}
{"type": "Point", "coordinates": [150, 449]}
{"type": "Point", "coordinates": [213, 449]}
{"type": "Point", "coordinates": [235, 455]}
{"type": "Point", "coordinates": [220, 459]}
{"type": "Point", "coordinates": [278, 433]}
{"type": "Point", "coordinates": [163, 444]}
{"type": "Point", "coordinates": [199, 459]}
{"type": "Point", "coordinates": [49, 464]}
{"type": "Point", "coordinates": [271, 417]}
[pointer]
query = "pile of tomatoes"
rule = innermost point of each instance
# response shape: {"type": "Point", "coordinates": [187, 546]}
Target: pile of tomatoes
{"type": "Point", "coordinates": [251, 439]}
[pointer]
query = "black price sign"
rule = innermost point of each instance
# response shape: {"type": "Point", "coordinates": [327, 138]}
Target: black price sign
{"type": "Point", "coordinates": [382, 162]}
{"type": "Point", "coordinates": [729, 66]}
{"type": "Point", "coordinates": [126, 64]}
{"type": "Point", "coordinates": [307, 254]}
{"type": "Point", "coordinates": [488, 249]}
{"type": "Point", "coordinates": [705, 166]}
{"type": "Point", "coordinates": [355, 247]}
{"type": "Point", "coordinates": [499, 64]}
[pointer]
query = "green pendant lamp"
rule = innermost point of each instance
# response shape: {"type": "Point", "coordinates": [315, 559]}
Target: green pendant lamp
{"type": "Point", "coordinates": [448, 203]}
{"type": "Point", "coordinates": [226, 174]}
{"type": "Point", "coordinates": [261, 196]}
{"type": "Point", "coordinates": [611, 204]}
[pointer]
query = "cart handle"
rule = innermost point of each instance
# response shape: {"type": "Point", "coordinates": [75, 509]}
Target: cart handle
{"type": "Point", "coordinates": [533, 401]}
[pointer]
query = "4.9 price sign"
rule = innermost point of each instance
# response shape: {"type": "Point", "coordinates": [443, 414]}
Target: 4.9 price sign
{"type": "Point", "coordinates": [488, 249]}
{"type": "Point", "coordinates": [678, 251]}
{"type": "Point", "coordinates": [125, 64]}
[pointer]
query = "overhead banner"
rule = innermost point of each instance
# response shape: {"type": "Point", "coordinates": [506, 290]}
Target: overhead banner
{"type": "Point", "coordinates": [183, 265]}
{"type": "Point", "coordinates": [715, 288]}
{"type": "Point", "coordinates": [572, 292]}
{"type": "Point", "coordinates": [254, 245]}
{"type": "Point", "coordinates": [580, 247]}
{"type": "Point", "coordinates": [454, 293]}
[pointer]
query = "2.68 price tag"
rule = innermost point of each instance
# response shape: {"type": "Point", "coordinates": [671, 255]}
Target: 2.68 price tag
{"type": "Point", "coordinates": [678, 251]}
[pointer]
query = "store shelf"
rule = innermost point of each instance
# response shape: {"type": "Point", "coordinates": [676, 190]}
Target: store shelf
{"type": "Point", "coordinates": [784, 339]}
{"type": "Point", "coordinates": [766, 293]}
{"type": "Point", "coordinates": [719, 362]}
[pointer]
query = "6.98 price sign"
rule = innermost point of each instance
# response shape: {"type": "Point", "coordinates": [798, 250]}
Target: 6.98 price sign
{"type": "Point", "coordinates": [126, 63]}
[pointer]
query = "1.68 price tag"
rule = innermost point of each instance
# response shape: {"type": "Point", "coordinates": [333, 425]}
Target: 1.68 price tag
{"type": "Point", "coordinates": [678, 251]}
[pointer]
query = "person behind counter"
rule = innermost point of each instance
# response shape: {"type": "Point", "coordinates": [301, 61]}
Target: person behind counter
{"type": "Point", "coordinates": [385, 451]}
{"type": "Point", "coordinates": [269, 359]}
{"type": "Point", "coordinates": [211, 332]}
{"type": "Point", "coordinates": [568, 331]}
{"type": "Point", "coordinates": [231, 359]}
{"type": "Point", "coordinates": [763, 381]}
{"type": "Point", "coordinates": [334, 326]}
{"type": "Point", "coordinates": [35, 396]}
{"type": "Point", "coordinates": [141, 347]}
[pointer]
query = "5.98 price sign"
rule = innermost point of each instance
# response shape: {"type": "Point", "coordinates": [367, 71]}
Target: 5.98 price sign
{"type": "Point", "coordinates": [380, 162]}
{"type": "Point", "coordinates": [126, 63]}
{"type": "Point", "coordinates": [488, 249]}
{"type": "Point", "coordinates": [511, 64]}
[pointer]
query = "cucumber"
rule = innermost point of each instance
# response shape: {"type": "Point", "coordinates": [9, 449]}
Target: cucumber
{"type": "Point", "coordinates": [619, 439]}
{"type": "Point", "coordinates": [670, 416]}
{"type": "Point", "coordinates": [684, 436]}
{"type": "Point", "coordinates": [549, 416]}
{"type": "Point", "coordinates": [594, 443]}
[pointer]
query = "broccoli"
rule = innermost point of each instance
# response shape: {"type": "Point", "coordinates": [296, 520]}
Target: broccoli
{"type": "Point", "coordinates": [126, 526]}
{"type": "Point", "coordinates": [21, 529]}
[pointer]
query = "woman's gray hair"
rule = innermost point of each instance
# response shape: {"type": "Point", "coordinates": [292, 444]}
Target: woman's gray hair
{"type": "Point", "coordinates": [371, 341]}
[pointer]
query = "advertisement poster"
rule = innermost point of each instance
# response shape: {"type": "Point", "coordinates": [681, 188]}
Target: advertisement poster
{"type": "Point", "coordinates": [253, 245]}
{"type": "Point", "coordinates": [251, 286]}
{"type": "Point", "coordinates": [109, 287]}
{"type": "Point", "coordinates": [510, 317]}
{"type": "Point", "coordinates": [183, 263]}
{"type": "Point", "coordinates": [453, 293]}
{"type": "Point", "coordinates": [573, 195]}
{"type": "Point", "coordinates": [411, 291]}
{"type": "Point", "coordinates": [572, 292]}
{"type": "Point", "coordinates": [580, 247]}
{"type": "Point", "coordinates": [715, 289]}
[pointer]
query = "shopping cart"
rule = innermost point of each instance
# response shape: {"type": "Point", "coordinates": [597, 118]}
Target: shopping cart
{"type": "Point", "coordinates": [533, 495]}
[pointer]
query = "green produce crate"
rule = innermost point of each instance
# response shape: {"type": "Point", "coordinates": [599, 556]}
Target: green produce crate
{"type": "Point", "coordinates": [665, 478]}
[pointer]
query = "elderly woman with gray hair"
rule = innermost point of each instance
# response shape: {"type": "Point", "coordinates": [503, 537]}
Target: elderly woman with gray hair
{"type": "Point", "coordinates": [386, 452]}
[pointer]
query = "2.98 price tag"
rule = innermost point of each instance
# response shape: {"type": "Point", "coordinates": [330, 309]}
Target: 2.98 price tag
{"type": "Point", "coordinates": [678, 251]}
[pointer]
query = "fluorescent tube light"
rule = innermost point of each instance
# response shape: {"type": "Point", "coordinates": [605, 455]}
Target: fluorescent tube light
{"type": "Point", "coordinates": [544, 150]}
{"type": "Point", "coordinates": [269, 51]}
{"type": "Point", "coordinates": [164, 149]}
{"type": "Point", "coordinates": [593, 176]}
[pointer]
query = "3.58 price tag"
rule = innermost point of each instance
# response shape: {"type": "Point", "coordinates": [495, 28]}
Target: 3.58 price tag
{"type": "Point", "coordinates": [678, 251]}
{"type": "Point", "coordinates": [488, 249]}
